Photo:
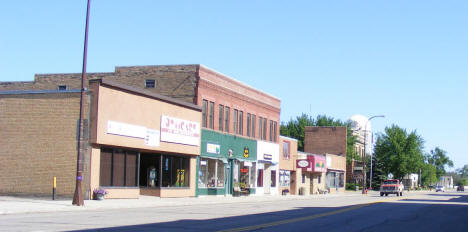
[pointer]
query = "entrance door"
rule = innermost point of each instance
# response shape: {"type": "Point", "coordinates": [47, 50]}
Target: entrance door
{"type": "Point", "coordinates": [292, 183]}
{"type": "Point", "coordinates": [267, 179]}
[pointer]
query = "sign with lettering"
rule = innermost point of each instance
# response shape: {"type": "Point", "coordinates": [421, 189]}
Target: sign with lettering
{"type": "Point", "coordinates": [267, 157]}
{"type": "Point", "coordinates": [176, 130]}
{"type": "Point", "coordinates": [303, 164]}
{"type": "Point", "coordinates": [213, 148]}
{"type": "Point", "coordinates": [124, 129]}
{"type": "Point", "coordinates": [246, 152]}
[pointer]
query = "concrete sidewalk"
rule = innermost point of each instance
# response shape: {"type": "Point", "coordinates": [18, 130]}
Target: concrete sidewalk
{"type": "Point", "coordinates": [18, 205]}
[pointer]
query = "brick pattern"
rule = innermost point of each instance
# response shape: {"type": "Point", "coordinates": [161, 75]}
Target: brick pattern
{"type": "Point", "coordinates": [38, 141]}
{"type": "Point", "coordinates": [321, 140]}
{"type": "Point", "coordinates": [176, 81]}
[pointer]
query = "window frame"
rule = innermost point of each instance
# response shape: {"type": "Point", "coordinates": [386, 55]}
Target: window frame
{"type": "Point", "coordinates": [211, 115]}
{"type": "Point", "coordinates": [220, 117]}
{"type": "Point", "coordinates": [149, 85]}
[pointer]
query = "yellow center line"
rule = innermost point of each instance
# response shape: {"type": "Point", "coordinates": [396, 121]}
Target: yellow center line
{"type": "Point", "coordinates": [287, 221]}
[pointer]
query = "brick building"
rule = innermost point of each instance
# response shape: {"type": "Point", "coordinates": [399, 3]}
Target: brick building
{"type": "Point", "coordinates": [330, 142]}
{"type": "Point", "coordinates": [237, 113]}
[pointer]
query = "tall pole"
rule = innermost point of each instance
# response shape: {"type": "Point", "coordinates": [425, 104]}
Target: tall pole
{"type": "Point", "coordinates": [78, 196]}
{"type": "Point", "coordinates": [372, 157]}
{"type": "Point", "coordinates": [364, 190]}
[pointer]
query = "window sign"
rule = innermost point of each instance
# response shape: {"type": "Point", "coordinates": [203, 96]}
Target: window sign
{"type": "Point", "coordinates": [152, 138]}
{"type": "Point", "coordinates": [213, 148]}
{"type": "Point", "coordinates": [267, 157]}
{"type": "Point", "coordinates": [180, 131]}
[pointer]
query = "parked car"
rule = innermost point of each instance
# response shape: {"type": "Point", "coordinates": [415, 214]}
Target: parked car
{"type": "Point", "coordinates": [440, 189]}
{"type": "Point", "coordinates": [461, 188]}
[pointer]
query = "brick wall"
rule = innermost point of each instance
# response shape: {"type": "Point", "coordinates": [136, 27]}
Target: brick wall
{"type": "Point", "coordinates": [37, 142]}
{"type": "Point", "coordinates": [321, 140]}
{"type": "Point", "coordinates": [176, 81]}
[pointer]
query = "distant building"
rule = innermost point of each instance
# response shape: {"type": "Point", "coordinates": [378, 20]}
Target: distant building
{"type": "Point", "coordinates": [411, 181]}
{"type": "Point", "coordinates": [358, 127]}
{"type": "Point", "coordinates": [446, 181]}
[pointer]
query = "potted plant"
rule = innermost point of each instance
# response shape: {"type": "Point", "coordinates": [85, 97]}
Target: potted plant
{"type": "Point", "coordinates": [99, 193]}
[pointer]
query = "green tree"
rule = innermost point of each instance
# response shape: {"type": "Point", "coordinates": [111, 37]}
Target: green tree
{"type": "Point", "coordinates": [428, 174]}
{"type": "Point", "coordinates": [399, 151]}
{"type": "Point", "coordinates": [463, 172]}
{"type": "Point", "coordinates": [439, 159]}
{"type": "Point", "coordinates": [295, 128]}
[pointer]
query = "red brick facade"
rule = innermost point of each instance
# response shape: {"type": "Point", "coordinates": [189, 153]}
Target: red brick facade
{"type": "Point", "coordinates": [321, 140]}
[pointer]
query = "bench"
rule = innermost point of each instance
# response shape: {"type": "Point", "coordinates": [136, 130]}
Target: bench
{"type": "Point", "coordinates": [241, 192]}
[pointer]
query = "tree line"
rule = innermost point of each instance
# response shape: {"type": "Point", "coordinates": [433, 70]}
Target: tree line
{"type": "Point", "coordinates": [397, 152]}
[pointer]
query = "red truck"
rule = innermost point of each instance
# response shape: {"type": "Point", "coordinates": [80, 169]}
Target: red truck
{"type": "Point", "coordinates": [391, 186]}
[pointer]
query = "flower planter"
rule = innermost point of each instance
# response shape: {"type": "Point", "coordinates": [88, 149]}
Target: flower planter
{"type": "Point", "coordinates": [99, 197]}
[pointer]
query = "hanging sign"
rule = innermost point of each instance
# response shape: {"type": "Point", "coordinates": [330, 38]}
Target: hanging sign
{"type": "Point", "coordinates": [246, 152]}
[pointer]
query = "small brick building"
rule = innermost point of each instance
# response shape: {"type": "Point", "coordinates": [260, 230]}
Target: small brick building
{"type": "Point", "coordinates": [331, 142]}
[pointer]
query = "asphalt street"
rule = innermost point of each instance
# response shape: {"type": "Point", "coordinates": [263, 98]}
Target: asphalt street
{"type": "Point", "coordinates": [412, 212]}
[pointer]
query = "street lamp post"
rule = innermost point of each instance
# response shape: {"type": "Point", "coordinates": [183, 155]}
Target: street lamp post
{"type": "Point", "coordinates": [364, 190]}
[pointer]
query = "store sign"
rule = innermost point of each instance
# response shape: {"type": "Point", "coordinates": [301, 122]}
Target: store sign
{"type": "Point", "coordinates": [303, 164]}
{"type": "Point", "coordinates": [213, 148]}
{"type": "Point", "coordinates": [246, 152]}
{"type": "Point", "coordinates": [267, 157]}
{"type": "Point", "coordinates": [181, 131]}
{"type": "Point", "coordinates": [247, 164]}
{"type": "Point", "coordinates": [244, 170]}
{"type": "Point", "coordinates": [124, 129]}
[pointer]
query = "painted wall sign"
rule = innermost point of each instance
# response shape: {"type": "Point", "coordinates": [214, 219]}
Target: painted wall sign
{"type": "Point", "coordinates": [246, 152]}
{"type": "Point", "coordinates": [267, 157]}
{"type": "Point", "coordinates": [181, 131]}
{"type": "Point", "coordinates": [124, 129]}
{"type": "Point", "coordinates": [213, 148]}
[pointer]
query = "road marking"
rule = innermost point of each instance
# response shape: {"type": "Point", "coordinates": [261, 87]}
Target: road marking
{"type": "Point", "coordinates": [287, 221]}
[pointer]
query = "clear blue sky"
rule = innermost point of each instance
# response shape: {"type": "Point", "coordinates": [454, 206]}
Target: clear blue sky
{"type": "Point", "coordinates": [405, 59]}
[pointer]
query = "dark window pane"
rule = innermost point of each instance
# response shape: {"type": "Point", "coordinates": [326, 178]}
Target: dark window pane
{"type": "Point", "coordinates": [226, 119]}
{"type": "Point", "coordinates": [220, 116]}
{"type": "Point", "coordinates": [131, 169]}
{"type": "Point", "coordinates": [204, 111]}
{"type": "Point", "coordinates": [260, 178]}
{"type": "Point", "coordinates": [253, 126]}
{"type": "Point", "coordinates": [211, 115]}
{"type": "Point", "coordinates": [105, 167]}
{"type": "Point", "coordinates": [118, 168]}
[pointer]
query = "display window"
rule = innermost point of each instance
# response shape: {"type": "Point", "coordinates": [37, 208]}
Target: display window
{"type": "Point", "coordinates": [244, 173]}
{"type": "Point", "coordinates": [284, 178]}
{"type": "Point", "coordinates": [211, 173]}
{"type": "Point", "coordinates": [118, 168]}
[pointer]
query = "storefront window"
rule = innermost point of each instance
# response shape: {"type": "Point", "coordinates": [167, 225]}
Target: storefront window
{"type": "Point", "coordinates": [118, 168]}
{"type": "Point", "coordinates": [244, 173]}
{"type": "Point", "coordinates": [341, 179]}
{"type": "Point", "coordinates": [175, 171]}
{"type": "Point", "coordinates": [330, 179]}
{"type": "Point", "coordinates": [284, 176]}
{"type": "Point", "coordinates": [211, 173]}
{"type": "Point", "coordinates": [253, 169]}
